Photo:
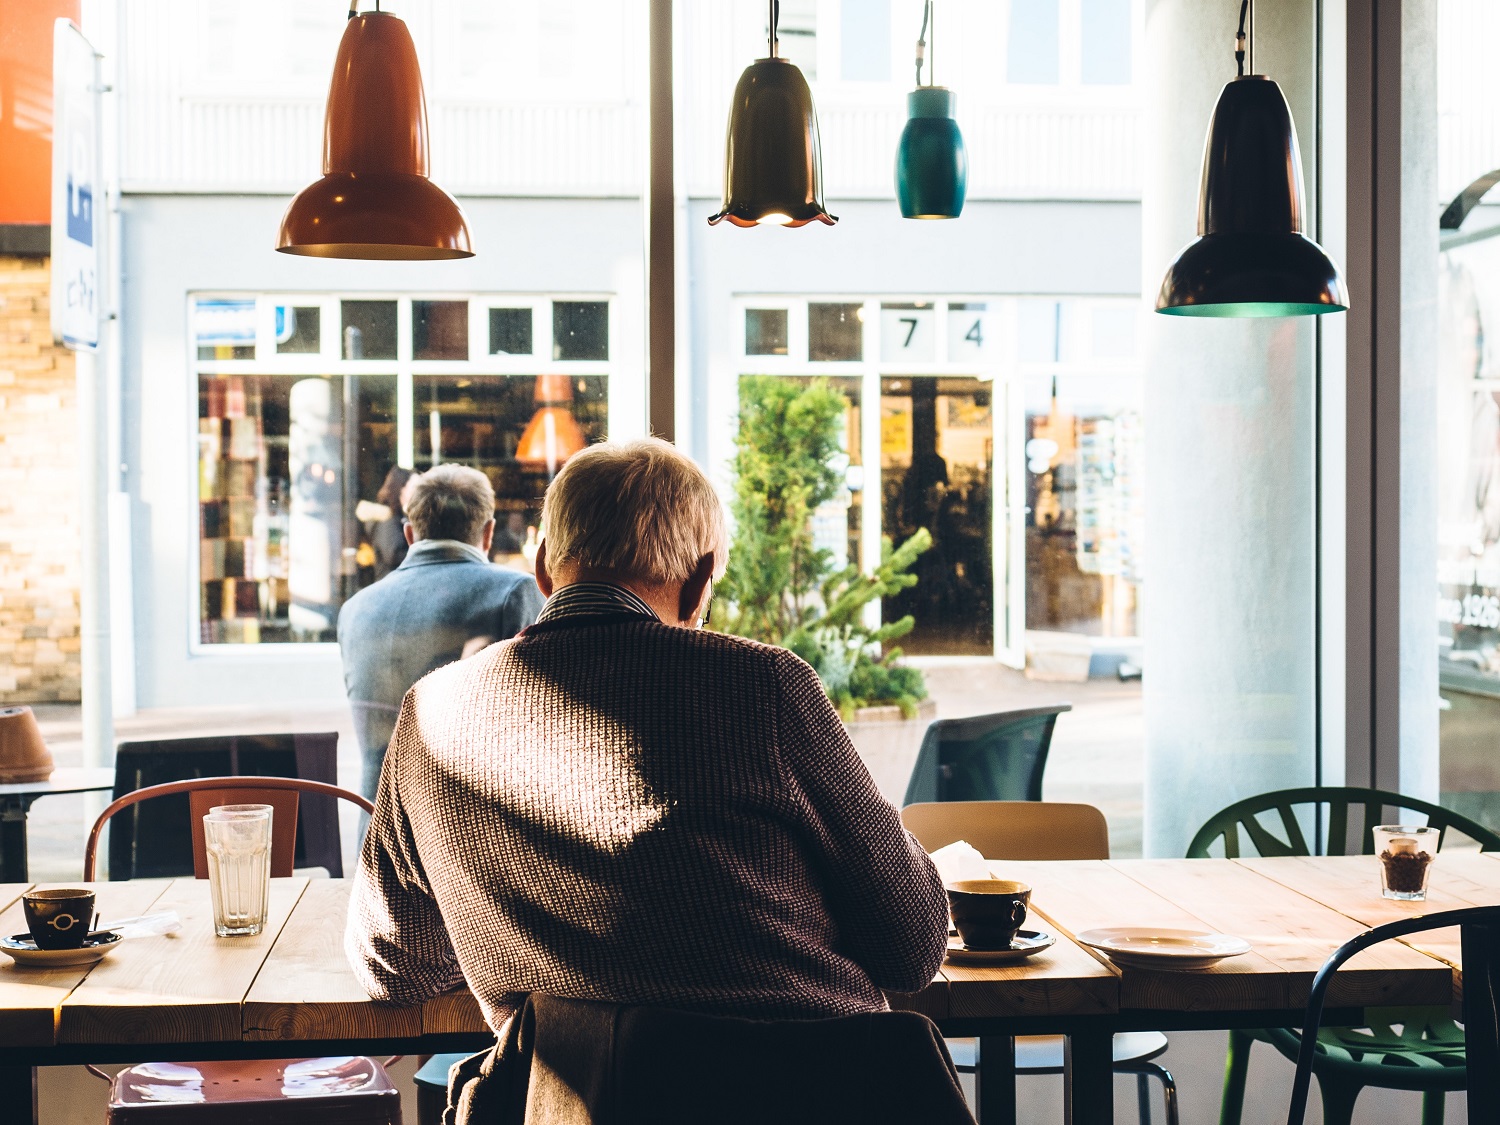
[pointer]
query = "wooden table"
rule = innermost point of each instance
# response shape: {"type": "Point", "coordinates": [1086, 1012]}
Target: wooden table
{"type": "Point", "coordinates": [288, 992]}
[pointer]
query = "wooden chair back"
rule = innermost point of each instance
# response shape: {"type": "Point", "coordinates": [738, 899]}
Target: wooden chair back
{"type": "Point", "coordinates": [204, 793]}
{"type": "Point", "coordinates": [1012, 829]}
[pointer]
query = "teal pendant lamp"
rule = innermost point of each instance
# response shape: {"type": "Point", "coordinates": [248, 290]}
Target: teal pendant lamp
{"type": "Point", "coordinates": [773, 163]}
{"type": "Point", "coordinates": [1251, 258]}
{"type": "Point", "coordinates": [932, 165]}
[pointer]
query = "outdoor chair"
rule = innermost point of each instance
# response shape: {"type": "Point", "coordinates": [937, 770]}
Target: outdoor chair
{"type": "Point", "coordinates": [1040, 830]}
{"type": "Point", "coordinates": [152, 842]}
{"type": "Point", "coordinates": [1416, 1049]}
{"type": "Point", "coordinates": [1480, 937]}
{"type": "Point", "coordinates": [348, 1090]}
{"type": "Point", "coordinates": [998, 757]}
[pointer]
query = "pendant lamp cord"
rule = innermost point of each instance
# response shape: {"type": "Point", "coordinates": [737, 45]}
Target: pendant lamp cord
{"type": "Point", "coordinates": [922, 44]}
{"type": "Point", "coordinates": [775, 19]}
{"type": "Point", "coordinates": [354, 7]}
{"type": "Point", "coordinates": [1239, 40]}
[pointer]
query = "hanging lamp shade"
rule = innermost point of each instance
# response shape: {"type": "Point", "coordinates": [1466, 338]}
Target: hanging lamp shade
{"type": "Point", "coordinates": [553, 434]}
{"type": "Point", "coordinates": [773, 164]}
{"type": "Point", "coordinates": [375, 200]}
{"type": "Point", "coordinates": [1250, 257]}
{"type": "Point", "coordinates": [932, 165]}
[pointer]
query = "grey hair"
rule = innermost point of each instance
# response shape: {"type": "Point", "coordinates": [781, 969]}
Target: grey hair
{"type": "Point", "coordinates": [639, 508]}
{"type": "Point", "coordinates": [450, 502]}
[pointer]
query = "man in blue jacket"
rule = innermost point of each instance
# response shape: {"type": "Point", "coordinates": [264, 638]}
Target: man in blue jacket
{"type": "Point", "coordinates": [445, 601]}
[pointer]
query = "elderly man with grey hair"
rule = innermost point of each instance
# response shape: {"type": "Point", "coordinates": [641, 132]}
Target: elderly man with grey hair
{"type": "Point", "coordinates": [617, 805]}
{"type": "Point", "coordinates": [443, 602]}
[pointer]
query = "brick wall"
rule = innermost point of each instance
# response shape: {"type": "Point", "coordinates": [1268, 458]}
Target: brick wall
{"type": "Point", "coordinates": [39, 544]}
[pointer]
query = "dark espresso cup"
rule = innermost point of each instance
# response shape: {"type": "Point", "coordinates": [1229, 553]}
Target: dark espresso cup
{"type": "Point", "coordinates": [988, 912]}
{"type": "Point", "coordinates": [58, 919]}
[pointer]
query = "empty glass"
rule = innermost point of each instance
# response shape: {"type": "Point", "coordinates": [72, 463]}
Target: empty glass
{"type": "Point", "coordinates": [238, 839]}
{"type": "Point", "coordinates": [1406, 853]}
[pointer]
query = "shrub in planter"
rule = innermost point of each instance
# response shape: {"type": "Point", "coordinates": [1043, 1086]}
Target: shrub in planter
{"type": "Point", "coordinates": [780, 587]}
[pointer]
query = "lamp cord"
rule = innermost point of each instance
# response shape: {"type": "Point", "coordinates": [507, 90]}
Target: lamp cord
{"type": "Point", "coordinates": [1239, 39]}
{"type": "Point", "coordinates": [775, 18]}
{"type": "Point", "coordinates": [922, 43]}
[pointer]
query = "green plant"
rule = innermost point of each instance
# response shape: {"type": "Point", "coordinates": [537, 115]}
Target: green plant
{"type": "Point", "coordinates": [780, 587]}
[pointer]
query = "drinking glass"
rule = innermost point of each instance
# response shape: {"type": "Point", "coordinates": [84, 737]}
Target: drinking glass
{"type": "Point", "coordinates": [238, 839]}
{"type": "Point", "coordinates": [1406, 853]}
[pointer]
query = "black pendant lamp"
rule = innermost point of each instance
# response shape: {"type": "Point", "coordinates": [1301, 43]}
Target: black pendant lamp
{"type": "Point", "coordinates": [773, 165]}
{"type": "Point", "coordinates": [1251, 258]}
{"type": "Point", "coordinates": [932, 165]}
{"type": "Point", "coordinates": [375, 200]}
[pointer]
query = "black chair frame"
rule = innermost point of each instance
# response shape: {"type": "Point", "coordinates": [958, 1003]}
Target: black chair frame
{"type": "Point", "coordinates": [1480, 928]}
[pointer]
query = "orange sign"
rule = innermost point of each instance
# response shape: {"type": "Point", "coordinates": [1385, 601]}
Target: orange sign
{"type": "Point", "coordinates": [26, 106]}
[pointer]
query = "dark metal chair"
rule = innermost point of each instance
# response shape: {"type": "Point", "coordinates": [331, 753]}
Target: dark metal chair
{"type": "Point", "coordinates": [1427, 1053]}
{"type": "Point", "coordinates": [998, 757]}
{"type": "Point", "coordinates": [153, 841]}
{"type": "Point", "coordinates": [1480, 928]}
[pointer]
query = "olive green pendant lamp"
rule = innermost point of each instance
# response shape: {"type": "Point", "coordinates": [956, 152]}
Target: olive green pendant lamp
{"type": "Point", "coordinates": [932, 165]}
{"type": "Point", "coordinates": [773, 165]}
{"type": "Point", "coordinates": [375, 200]}
{"type": "Point", "coordinates": [1250, 258]}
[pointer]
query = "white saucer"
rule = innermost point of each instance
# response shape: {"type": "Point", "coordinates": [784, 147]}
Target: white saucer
{"type": "Point", "coordinates": [1137, 947]}
{"type": "Point", "coordinates": [23, 951]}
{"type": "Point", "coordinates": [1027, 943]}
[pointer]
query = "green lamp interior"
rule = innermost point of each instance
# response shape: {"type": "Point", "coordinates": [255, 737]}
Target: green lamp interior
{"type": "Point", "coordinates": [1253, 309]}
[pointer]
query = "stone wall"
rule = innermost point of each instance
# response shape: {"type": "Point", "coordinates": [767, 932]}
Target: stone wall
{"type": "Point", "coordinates": [39, 543]}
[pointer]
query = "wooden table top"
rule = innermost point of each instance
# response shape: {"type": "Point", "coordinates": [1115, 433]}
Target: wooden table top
{"type": "Point", "coordinates": [291, 983]}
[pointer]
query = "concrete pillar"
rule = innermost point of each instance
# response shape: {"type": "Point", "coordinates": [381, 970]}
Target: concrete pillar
{"type": "Point", "coordinates": [1230, 604]}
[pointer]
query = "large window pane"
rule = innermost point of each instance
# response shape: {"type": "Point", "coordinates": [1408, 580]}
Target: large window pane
{"type": "Point", "coordinates": [516, 429]}
{"type": "Point", "coordinates": [283, 463]}
{"type": "Point", "coordinates": [865, 46]}
{"type": "Point", "coordinates": [1105, 42]}
{"type": "Point", "coordinates": [1031, 55]}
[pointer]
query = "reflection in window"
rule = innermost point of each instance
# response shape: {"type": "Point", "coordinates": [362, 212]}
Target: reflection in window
{"type": "Point", "coordinates": [835, 333]}
{"type": "Point", "coordinates": [516, 429]}
{"type": "Point", "coordinates": [936, 471]}
{"type": "Point", "coordinates": [224, 328]}
{"type": "Point", "coordinates": [1031, 56]}
{"type": "Point", "coordinates": [765, 331]}
{"type": "Point", "coordinates": [580, 330]}
{"type": "Point", "coordinates": [1105, 46]}
{"type": "Point", "coordinates": [865, 41]}
{"type": "Point", "coordinates": [440, 330]}
{"type": "Point", "coordinates": [1084, 500]}
{"type": "Point", "coordinates": [369, 329]}
{"type": "Point", "coordinates": [283, 464]}
{"type": "Point", "coordinates": [298, 329]}
{"type": "Point", "coordinates": [510, 332]}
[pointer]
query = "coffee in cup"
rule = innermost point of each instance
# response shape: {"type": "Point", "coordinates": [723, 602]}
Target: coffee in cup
{"type": "Point", "coordinates": [59, 919]}
{"type": "Point", "coordinates": [988, 912]}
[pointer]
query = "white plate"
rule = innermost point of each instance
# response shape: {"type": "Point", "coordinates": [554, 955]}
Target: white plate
{"type": "Point", "coordinates": [1027, 943]}
{"type": "Point", "coordinates": [1136, 947]}
{"type": "Point", "coordinates": [23, 951]}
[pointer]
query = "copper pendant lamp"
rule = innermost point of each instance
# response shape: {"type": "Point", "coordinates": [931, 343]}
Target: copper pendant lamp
{"type": "Point", "coordinates": [1251, 258]}
{"type": "Point", "coordinates": [773, 163]}
{"type": "Point", "coordinates": [553, 434]}
{"type": "Point", "coordinates": [375, 200]}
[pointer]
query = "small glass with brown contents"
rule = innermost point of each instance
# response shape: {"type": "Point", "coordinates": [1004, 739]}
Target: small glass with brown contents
{"type": "Point", "coordinates": [1406, 853]}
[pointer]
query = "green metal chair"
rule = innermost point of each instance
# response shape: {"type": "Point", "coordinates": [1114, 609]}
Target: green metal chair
{"type": "Point", "coordinates": [1407, 1049]}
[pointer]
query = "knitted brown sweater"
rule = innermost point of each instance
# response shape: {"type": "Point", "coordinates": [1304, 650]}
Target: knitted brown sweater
{"type": "Point", "coordinates": [609, 808]}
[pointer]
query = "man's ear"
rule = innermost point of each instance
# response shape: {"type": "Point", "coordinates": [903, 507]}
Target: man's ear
{"type": "Point", "coordinates": [694, 590]}
{"type": "Point", "coordinates": [410, 533]}
{"type": "Point", "coordinates": [543, 579]}
{"type": "Point", "coordinates": [487, 536]}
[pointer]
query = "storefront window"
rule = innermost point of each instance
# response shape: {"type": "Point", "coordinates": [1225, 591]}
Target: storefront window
{"type": "Point", "coordinates": [516, 429]}
{"type": "Point", "coordinates": [283, 462]}
{"type": "Point", "coordinates": [302, 448]}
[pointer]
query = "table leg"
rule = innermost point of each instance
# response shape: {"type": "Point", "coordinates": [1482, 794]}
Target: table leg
{"type": "Point", "coordinates": [18, 1088]}
{"type": "Point", "coordinates": [995, 1080]}
{"type": "Point", "coordinates": [1088, 1078]}
{"type": "Point", "coordinates": [1481, 959]}
{"type": "Point", "coordinates": [13, 839]}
